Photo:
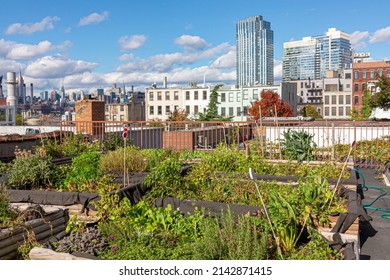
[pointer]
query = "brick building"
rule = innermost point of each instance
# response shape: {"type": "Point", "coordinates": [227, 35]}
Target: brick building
{"type": "Point", "coordinates": [90, 116]}
{"type": "Point", "coordinates": [365, 75]}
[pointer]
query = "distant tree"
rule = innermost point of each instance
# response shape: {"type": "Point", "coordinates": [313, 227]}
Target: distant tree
{"type": "Point", "coordinates": [19, 119]}
{"type": "Point", "coordinates": [381, 99]}
{"type": "Point", "coordinates": [178, 115]}
{"type": "Point", "coordinates": [311, 112]}
{"type": "Point", "coordinates": [212, 108]}
{"type": "Point", "coordinates": [366, 110]}
{"type": "Point", "coordinates": [270, 99]}
{"type": "Point", "coordinates": [355, 114]}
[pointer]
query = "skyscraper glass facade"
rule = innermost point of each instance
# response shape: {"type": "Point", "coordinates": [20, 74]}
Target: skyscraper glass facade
{"type": "Point", "coordinates": [311, 57]}
{"type": "Point", "coordinates": [255, 51]}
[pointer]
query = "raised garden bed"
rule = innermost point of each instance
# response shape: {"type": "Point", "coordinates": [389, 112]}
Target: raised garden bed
{"type": "Point", "coordinates": [52, 223]}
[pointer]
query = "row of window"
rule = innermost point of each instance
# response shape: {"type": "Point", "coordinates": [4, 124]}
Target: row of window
{"type": "Point", "coordinates": [167, 95]}
{"type": "Point", "coordinates": [370, 74]}
{"type": "Point", "coordinates": [224, 111]}
{"type": "Point", "coordinates": [196, 95]}
{"type": "Point", "coordinates": [115, 118]}
{"type": "Point", "coordinates": [341, 99]}
{"type": "Point", "coordinates": [337, 111]}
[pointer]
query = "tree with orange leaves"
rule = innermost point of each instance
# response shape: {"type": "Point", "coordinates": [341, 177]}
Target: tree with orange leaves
{"type": "Point", "coordinates": [270, 100]}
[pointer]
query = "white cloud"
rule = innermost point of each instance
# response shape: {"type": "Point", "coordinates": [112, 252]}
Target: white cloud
{"type": "Point", "coordinates": [16, 51]}
{"type": "Point", "coordinates": [191, 43]}
{"type": "Point", "coordinates": [132, 42]}
{"type": "Point", "coordinates": [7, 65]}
{"type": "Point", "coordinates": [29, 28]}
{"type": "Point", "coordinates": [93, 18]}
{"type": "Point", "coordinates": [278, 70]}
{"type": "Point", "coordinates": [227, 60]}
{"type": "Point", "coordinates": [358, 39]}
{"type": "Point", "coordinates": [126, 56]}
{"type": "Point", "coordinates": [381, 35]}
{"type": "Point", "coordinates": [57, 66]}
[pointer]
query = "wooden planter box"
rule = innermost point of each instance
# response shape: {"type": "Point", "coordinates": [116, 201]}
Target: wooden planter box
{"type": "Point", "coordinates": [53, 223]}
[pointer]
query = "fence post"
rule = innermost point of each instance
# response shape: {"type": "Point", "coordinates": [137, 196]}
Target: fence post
{"type": "Point", "coordinates": [60, 132]}
{"type": "Point", "coordinates": [354, 148]}
{"type": "Point", "coordinates": [332, 152]}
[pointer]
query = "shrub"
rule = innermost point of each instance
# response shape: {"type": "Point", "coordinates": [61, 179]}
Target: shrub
{"type": "Point", "coordinates": [6, 213]}
{"type": "Point", "coordinates": [84, 172]}
{"type": "Point", "coordinates": [33, 172]}
{"type": "Point", "coordinates": [112, 162]}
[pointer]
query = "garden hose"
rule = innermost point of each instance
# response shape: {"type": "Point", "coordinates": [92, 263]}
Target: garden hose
{"type": "Point", "coordinates": [383, 193]}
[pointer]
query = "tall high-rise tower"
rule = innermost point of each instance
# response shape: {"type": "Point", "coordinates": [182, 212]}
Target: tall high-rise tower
{"type": "Point", "coordinates": [311, 57]}
{"type": "Point", "coordinates": [255, 52]}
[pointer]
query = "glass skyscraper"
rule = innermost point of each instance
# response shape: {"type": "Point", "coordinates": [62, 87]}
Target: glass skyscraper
{"type": "Point", "coordinates": [311, 57]}
{"type": "Point", "coordinates": [255, 52]}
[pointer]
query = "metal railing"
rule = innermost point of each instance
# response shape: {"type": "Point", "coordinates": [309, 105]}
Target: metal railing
{"type": "Point", "coordinates": [329, 136]}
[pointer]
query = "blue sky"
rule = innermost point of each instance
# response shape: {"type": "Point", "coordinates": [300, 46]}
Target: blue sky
{"type": "Point", "coordinates": [86, 44]}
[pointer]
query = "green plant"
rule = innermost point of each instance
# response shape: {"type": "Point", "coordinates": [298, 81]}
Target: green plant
{"type": "Point", "coordinates": [6, 213]}
{"type": "Point", "coordinates": [298, 145]}
{"type": "Point", "coordinates": [33, 172]}
{"type": "Point", "coordinates": [113, 162]}
{"type": "Point", "coordinates": [29, 243]}
{"type": "Point", "coordinates": [165, 178]}
{"type": "Point", "coordinates": [84, 173]}
{"type": "Point", "coordinates": [112, 141]}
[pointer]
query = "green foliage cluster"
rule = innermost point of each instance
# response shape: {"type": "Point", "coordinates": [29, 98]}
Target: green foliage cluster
{"type": "Point", "coordinates": [298, 145]}
{"type": "Point", "coordinates": [84, 172]}
{"type": "Point", "coordinates": [33, 172]}
{"type": "Point", "coordinates": [310, 111]}
{"type": "Point", "coordinates": [6, 213]}
{"type": "Point", "coordinates": [150, 233]}
{"type": "Point", "coordinates": [113, 161]}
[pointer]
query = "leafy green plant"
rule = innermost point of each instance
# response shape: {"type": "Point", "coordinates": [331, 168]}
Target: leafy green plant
{"type": "Point", "coordinates": [84, 172]}
{"type": "Point", "coordinates": [33, 172]}
{"type": "Point", "coordinates": [6, 213]}
{"type": "Point", "coordinates": [298, 145]}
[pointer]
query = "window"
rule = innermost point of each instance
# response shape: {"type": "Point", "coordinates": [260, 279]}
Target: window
{"type": "Point", "coordinates": [380, 72]}
{"type": "Point", "coordinates": [167, 110]}
{"type": "Point", "coordinates": [122, 117]}
{"type": "Point", "coordinates": [231, 111]}
{"type": "Point", "coordinates": [347, 86]}
{"type": "Point", "coordinates": [238, 96]}
{"type": "Point", "coordinates": [341, 99]}
{"type": "Point", "coordinates": [364, 73]}
{"type": "Point", "coordinates": [347, 111]}
{"type": "Point", "coordinates": [334, 99]}
{"type": "Point", "coordinates": [122, 108]}
{"type": "Point", "coordinates": [204, 95]}
{"type": "Point", "coordinates": [106, 108]}
{"type": "Point", "coordinates": [388, 73]}
{"type": "Point", "coordinates": [167, 95]}
{"type": "Point", "coordinates": [196, 95]}
{"type": "Point", "coordinates": [356, 74]}
{"type": "Point", "coordinates": [175, 95]}
{"type": "Point", "coordinates": [356, 87]}
{"type": "Point", "coordinates": [348, 100]}
{"type": "Point", "coordinates": [363, 87]}
{"type": "Point", "coordinates": [107, 117]}
{"type": "Point", "coordinates": [159, 110]}
{"type": "Point", "coordinates": [176, 108]}
{"type": "Point", "coordinates": [231, 97]}
{"type": "Point", "coordinates": [114, 117]}
{"type": "Point", "coordinates": [238, 111]}
{"type": "Point", "coordinates": [326, 111]}
{"type": "Point", "coordinates": [341, 111]}
{"type": "Point", "coordinates": [245, 95]}
{"type": "Point", "coordinates": [159, 95]}
{"type": "Point", "coordinates": [348, 76]}
{"type": "Point", "coordinates": [301, 84]}
{"type": "Point", "coordinates": [223, 97]}
{"type": "Point", "coordinates": [334, 111]}
{"type": "Point", "coordinates": [256, 94]}
{"type": "Point", "coordinates": [187, 95]}
{"type": "Point", "coordinates": [196, 109]}
{"type": "Point", "coordinates": [151, 96]}
{"type": "Point", "coordinates": [372, 74]}
{"type": "Point", "coordinates": [223, 111]}
{"type": "Point", "coordinates": [356, 100]}
{"type": "Point", "coordinates": [187, 109]}
{"type": "Point", "coordinates": [327, 99]}
{"type": "Point", "coordinates": [151, 110]}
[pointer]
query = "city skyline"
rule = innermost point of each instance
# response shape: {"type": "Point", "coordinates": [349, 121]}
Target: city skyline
{"type": "Point", "coordinates": [98, 43]}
